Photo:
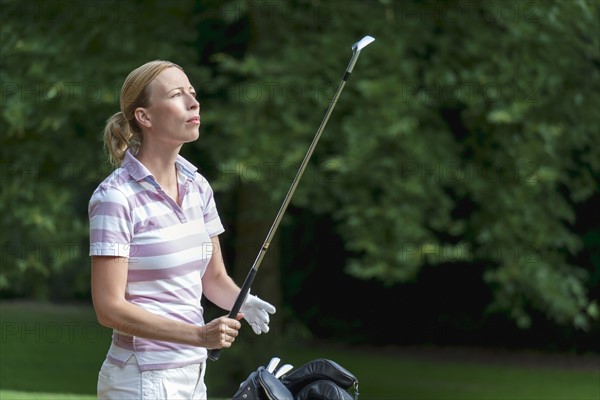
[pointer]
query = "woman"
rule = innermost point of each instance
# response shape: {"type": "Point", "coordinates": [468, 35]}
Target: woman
{"type": "Point", "coordinates": [154, 245]}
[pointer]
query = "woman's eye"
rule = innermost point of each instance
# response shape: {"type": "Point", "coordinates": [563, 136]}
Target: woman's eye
{"type": "Point", "coordinates": [193, 94]}
{"type": "Point", "coordinates": [177, 94]}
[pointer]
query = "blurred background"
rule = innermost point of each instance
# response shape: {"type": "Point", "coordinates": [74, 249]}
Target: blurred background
{"type": "Point", "coordinates": [453, 196]}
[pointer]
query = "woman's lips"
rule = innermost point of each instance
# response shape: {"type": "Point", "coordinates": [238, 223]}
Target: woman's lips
{"type": "Point", "coordinates": [194, 121]}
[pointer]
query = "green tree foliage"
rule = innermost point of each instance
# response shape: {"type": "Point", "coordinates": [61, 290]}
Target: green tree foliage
{"type": "Point", "coordinates": [62, 66]}
{"type": "Point", "coordinates": [468, 132]}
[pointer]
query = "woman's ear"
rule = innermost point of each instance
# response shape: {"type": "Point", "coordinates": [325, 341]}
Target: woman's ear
{"type": "Point", "coordinates": [142, 117]}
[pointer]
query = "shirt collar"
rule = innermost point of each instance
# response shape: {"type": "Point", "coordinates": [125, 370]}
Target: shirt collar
{"type": "Point", "coordinates": [186, 167]}
{"type": "Point", "coordinates": [134, 167]}
{"type": "Point", "coordinates": [139, 172]}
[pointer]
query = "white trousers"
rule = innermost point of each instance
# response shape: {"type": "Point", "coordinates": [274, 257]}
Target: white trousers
{"type": "Point", "coordinates": [129, 383]}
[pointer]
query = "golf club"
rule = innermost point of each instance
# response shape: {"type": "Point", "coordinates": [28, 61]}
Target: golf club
{"type": "Point", "coordinates": [273, 364]}
{"type": "Point", "coordinates": [283, 370]}
{"type": "Point", "coordinates": [245, 289]}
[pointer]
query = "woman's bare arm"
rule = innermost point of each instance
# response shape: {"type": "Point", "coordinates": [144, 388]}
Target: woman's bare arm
{"type": "Point", "coordinates": [217, 285]}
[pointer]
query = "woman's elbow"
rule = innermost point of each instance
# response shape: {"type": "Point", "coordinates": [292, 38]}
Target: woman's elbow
{"type": "Point", "coordinates": [103, 320]}
{"type": "Point", "coordinates": [105, 314]}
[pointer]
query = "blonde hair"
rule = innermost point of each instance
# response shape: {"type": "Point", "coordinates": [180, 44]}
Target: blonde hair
{"type": "Point", "coordinates": [122, 131]}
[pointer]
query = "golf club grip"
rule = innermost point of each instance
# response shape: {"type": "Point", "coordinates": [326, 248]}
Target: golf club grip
{"type": "Point", "coordinates": [214, 354]}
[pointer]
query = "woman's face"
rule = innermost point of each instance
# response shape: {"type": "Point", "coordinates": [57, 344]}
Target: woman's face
{"type": "Point", "coordinates": [173, 116]}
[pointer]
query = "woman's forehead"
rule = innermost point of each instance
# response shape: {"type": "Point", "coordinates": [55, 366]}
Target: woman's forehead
{"type": "Point", "coordinates": [171, 78]}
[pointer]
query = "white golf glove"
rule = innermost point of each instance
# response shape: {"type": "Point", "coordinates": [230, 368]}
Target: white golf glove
{"type": "Point", "coordinates": [256, 312]}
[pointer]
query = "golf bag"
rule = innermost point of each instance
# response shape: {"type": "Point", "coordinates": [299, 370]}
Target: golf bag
{"type": "Point", "coordinates": [320, 379]}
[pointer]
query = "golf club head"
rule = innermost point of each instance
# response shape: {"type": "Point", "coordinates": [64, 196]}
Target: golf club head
{"type": "Point", "coordinates": [283, 370]}
{"type": "Point", "coordinates": [273, 364]}
{"type": "Point", "coordinates": [356, 48]}
{"type": "Point", "coordinates": [362, 43]}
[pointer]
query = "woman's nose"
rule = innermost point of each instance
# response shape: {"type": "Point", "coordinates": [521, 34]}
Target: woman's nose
{"type": "Point", "coordinates": [195, 104]}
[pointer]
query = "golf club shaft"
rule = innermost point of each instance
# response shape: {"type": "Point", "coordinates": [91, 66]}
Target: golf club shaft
{"type": "Point", "coordinates": [245, 289]}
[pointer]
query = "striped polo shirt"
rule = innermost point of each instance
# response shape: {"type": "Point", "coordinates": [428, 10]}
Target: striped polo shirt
{"type": "Point", "coordinates": [167, 248]}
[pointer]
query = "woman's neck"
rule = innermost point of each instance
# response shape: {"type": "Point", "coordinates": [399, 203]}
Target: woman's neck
{"type": "Point", "coordinates": [160, 163]}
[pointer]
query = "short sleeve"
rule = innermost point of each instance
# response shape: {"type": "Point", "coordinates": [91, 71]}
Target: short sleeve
{"type": "Point", "coordinates": [212, 221]}
{"type": "Point", "coordinates": [111, 228]}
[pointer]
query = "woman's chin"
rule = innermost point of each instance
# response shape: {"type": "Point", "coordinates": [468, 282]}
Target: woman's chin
{"type": "Point", "coordinates": [193, 136]}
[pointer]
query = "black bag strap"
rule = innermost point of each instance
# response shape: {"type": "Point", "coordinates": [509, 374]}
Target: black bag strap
{"type": "Point", "coordinates": [250, 389]}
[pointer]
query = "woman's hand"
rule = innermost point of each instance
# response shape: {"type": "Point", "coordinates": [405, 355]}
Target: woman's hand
{"type": "Point", "coordinates": [220, 333]}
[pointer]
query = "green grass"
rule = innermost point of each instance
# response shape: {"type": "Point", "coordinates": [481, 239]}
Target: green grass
{"type": "Point", "coordinates": [54, 352]}
{"type": "Point", "coordinates": [14, 395]}
{"type": "Point", "coordinates": [50, 349]}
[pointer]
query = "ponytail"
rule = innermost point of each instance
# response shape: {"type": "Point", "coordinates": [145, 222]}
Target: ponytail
{"type": "Point", "coordinates": [118, 137]}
